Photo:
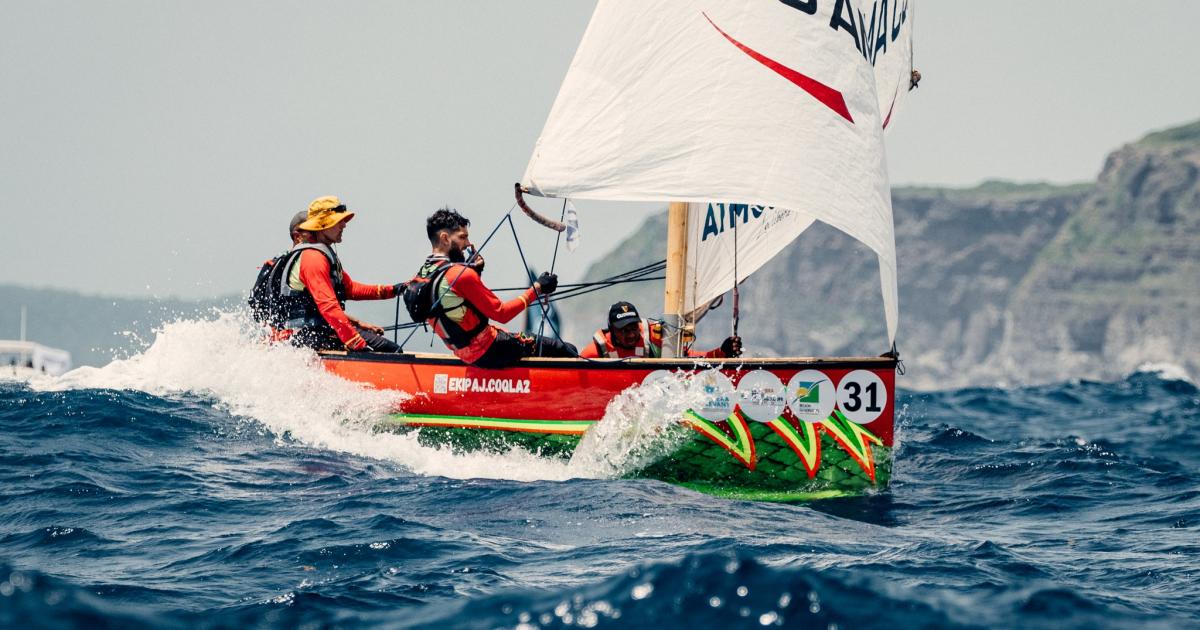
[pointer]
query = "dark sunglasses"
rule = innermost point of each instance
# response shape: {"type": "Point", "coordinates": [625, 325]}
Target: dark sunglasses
{"type": "Point", "coordinates": [337, 209]}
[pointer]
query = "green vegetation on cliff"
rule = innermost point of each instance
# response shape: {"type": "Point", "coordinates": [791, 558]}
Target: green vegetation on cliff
{"type": "Point", "coordinates": [1187, 134]}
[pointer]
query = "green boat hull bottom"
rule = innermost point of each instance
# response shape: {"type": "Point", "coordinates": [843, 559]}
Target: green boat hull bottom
{"type": "Point", "coordinates": [782, 461]}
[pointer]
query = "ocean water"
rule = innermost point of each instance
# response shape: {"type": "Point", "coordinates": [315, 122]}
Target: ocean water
{"type": "Point", "coordinates": [210, 481]}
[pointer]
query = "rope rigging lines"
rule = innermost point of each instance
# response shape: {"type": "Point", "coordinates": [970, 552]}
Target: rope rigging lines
{"type": "Point", "coordinates": [645, 273]}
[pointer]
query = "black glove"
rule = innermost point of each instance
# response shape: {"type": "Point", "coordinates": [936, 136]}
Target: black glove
{"type": "Point", "coordinates": [477, 264]}
{"type": "Point", "coordinates": [547, 283]}
{"type": "Point", "coordinates": [732, 347]}
{"type": "Point", "coordinates": [398, 288]}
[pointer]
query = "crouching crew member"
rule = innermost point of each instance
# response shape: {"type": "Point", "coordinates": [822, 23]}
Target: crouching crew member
{"type": "Point", "coordinates": [628, 335]}
{"type": "Point", "coordinates": [315, 288]}
{"type": "Point", "coordinates": [462, 305]}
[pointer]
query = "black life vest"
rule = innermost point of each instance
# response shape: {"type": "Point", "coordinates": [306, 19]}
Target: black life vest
{"type": "Point", "coordinates": [299, 309]}
{"type": "Point", "coordinates": [428, 287]}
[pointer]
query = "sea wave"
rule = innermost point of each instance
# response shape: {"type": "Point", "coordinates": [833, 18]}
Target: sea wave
{"type": "Point", "coordinates": [1166, 371]}
{"type": "Point", "coordinates": [189, 486]}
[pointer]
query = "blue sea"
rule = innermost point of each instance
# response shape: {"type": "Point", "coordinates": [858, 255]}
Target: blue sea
{"type": "Point", "coordinates": [209, 481]}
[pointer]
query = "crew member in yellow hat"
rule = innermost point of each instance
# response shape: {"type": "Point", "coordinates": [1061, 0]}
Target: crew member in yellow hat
{"type": "Point", "coordinates": [315, 288]}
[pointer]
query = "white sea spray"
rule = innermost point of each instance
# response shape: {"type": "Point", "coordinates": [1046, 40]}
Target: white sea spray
{"type": "Point", "coordinates": [639, 424]}
{"type": "Point", "coordinates": [225, 359]}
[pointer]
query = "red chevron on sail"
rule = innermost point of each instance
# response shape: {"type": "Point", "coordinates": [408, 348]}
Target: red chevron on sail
{"type": "Point", "coordinates": [828, 96]}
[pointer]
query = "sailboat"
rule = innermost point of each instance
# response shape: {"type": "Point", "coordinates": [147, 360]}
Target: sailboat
{"type": "Point", "coordinates": [752, 120]}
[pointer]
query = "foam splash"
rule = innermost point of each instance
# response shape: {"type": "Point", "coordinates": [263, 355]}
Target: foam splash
{"type": "Point", "coordinates": [1166, 371]}
{"type": "Point", "coordinates": [286, 390]}
{"type": "Point", "coordinates": [639, 424]}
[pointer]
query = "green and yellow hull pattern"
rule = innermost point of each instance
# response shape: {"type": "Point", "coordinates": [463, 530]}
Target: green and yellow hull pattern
{"type": "Point", "coordinates": [782, 460]}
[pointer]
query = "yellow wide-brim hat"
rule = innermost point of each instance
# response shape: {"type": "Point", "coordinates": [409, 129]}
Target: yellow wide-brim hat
{"type": "Point", "coordinates": [324, 213]}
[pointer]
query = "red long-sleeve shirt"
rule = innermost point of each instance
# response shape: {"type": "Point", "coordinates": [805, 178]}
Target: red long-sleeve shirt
{"type": "Point", "coordinates": [466, 284]}
{"type": "Point", "coordinates": [316, 275]}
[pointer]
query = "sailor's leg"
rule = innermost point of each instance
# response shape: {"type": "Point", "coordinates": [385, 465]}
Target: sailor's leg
{"type": "Point", "coordinates": [317, 338]}
{"type": "Point", "coordinates": [506, 350]}
{"type": "Point", "coordinates": [552, 347]}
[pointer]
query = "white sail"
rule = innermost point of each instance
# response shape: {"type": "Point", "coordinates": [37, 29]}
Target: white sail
{"type": "Point", "coordinates": [762, 232]}
{"type": "Point", "coordinates": [765, 103]}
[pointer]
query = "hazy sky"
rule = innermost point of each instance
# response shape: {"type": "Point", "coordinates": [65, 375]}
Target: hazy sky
{"type": "Point", "coordinates": [159, 148]}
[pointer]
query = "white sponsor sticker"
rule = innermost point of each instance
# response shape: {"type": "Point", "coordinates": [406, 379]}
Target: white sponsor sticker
{"type": "Point", "coordinates": [719, 393]}
{"type": "Point", "coordinates": [440, 383]}
{"type": "Point", "coordinates": [810, 395]}
{"type": "Point", "coordinates": [761, 396]}
{"type": "Point", "coordinates": [862, 396]}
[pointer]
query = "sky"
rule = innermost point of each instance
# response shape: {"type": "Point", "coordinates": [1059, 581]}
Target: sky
{"type": "Point", "coordinates": [158, 148]}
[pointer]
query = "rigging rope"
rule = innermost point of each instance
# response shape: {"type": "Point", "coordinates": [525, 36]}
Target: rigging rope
{"type": "Point", "coordinates": [640, 274]}
{"type": "Point", "coordinates": [737, 301]}
{"type": "Point", "coordinates": [545, 318]}
{"type": "Point", "coordinates": [553, 262]}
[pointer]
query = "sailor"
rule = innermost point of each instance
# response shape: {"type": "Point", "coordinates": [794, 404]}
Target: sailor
{"type": "Point", "coordinates": [462, 305]}
{"type": "Point", "coordinates": [628, 335]}
{"type": "Point", "coordinates": [315, 287]}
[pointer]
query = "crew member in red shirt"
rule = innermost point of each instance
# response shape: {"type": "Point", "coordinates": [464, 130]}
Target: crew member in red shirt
{"type": "Point", "coordinates": [316, 288]}
{"type": "Point", "coordinates": [464, 305]}
{"type": "Point", "coordinates": [628, 335]}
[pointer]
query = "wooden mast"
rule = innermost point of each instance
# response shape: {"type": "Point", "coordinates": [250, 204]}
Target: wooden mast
{"type": "Point", "coordinates": [673, 305]}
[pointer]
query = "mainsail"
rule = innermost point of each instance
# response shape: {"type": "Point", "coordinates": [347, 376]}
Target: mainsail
{"type": "Point", "coordinates": [770, 104]}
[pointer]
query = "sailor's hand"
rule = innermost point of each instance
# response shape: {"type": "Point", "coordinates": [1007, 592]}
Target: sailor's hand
{"type": "Point", "coordinates": [357, 344]}
{"type": "Point", "coordinates": [546, 283]}
{"type": "Point", "coordinates": [732, 346]}
{"type": "Point", "coordinates": [398, 288]}
{"type": "Point", "coordinates": [364, 325]}
{"type": "Point", "coordinates": [477, 264]}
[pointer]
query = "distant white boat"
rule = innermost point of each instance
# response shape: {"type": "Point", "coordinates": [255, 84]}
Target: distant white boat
{"type": "Point", "coordinates": [22, 360]}
{"type": "Point", "coordinates": [25, 359]}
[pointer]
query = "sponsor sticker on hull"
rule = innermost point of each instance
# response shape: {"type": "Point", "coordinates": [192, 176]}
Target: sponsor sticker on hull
{"type": "Point", "coordinates": [446, 384]}
{"type": "Point", "coordinates": [811, 395]}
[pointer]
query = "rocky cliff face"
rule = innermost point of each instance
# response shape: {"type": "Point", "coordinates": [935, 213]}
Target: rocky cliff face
{"type": "Point", "coordinates": [1119, 285]}
{"type": "Point", "coordinates": [998, 283]}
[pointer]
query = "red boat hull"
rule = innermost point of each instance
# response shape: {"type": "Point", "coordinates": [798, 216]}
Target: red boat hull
{"type": "Point", "coordinates": [564, 397]}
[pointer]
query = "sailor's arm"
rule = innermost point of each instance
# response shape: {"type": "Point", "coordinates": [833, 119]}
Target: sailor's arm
{"type": "Point", "coordinates": [471, 288]}
{"type": "Point", "coordinates": [730, 348]}
{"type": "Point", "coordinates": [359, 291]}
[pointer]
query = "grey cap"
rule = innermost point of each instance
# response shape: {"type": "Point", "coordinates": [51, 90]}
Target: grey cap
{"type": "Point", "coordinates": [300, 217]}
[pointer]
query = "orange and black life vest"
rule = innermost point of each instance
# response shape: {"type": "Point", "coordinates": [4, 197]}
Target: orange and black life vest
{"type": "Point", "coordinates": [649, 344]}
{"type": "Point", "coordinates": [448, 310]}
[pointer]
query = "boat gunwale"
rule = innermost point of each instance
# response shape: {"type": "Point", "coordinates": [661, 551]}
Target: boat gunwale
{"type": "Point", "coordinates": [429, 358]}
